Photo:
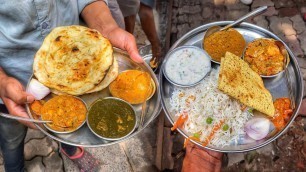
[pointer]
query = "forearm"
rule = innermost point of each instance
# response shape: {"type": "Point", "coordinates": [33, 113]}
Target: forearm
{"type": "Point", "coordinates": [97, 16]}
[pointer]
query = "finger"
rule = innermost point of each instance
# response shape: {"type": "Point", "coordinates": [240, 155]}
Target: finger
{"type": "Point", "coordinates": [28, 124]}
{"type": "Point", "coordinates": [18, 110]}
{"type": "Point", "coordinates": [21, 97]}
{"type": "Point", "coordinates": [135, 56]}
{"type": "Point", "coordinates": [132, 49]}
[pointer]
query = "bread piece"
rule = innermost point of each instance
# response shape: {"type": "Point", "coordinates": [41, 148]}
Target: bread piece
{"type": "Point", "coordinates": [73, 59]}
{"type": "Point", "coordinates": [239, 81]}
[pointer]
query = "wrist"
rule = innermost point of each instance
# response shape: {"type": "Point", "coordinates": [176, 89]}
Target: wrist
{"type": "Point", "coordinates": [97, 16]}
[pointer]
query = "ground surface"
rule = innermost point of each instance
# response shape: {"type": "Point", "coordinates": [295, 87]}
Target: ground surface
{"type": "Point", "coordinates": [288, 153]}
{"type": "Point", "coordinates": [285, 19]}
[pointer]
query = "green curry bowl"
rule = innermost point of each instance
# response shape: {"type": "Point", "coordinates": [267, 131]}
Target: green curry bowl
{"type": "Point", "coordinates": [111, 118]}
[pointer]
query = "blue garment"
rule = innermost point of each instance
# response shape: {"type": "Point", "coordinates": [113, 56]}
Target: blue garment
{"type": "Point", "coordinates": [150, 3]}
{"type": "Point", "coordinates": [23, 26]}
{"type": "Point", "coordinates": [12, 135]}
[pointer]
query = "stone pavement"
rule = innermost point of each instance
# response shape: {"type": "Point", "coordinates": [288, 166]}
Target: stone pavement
{"type": "Point", "coordinates": [136, 154]}
{"type": "Point", "coordinates": [285, 19]}
{"type": "Point", "coordinates": [288, 153]}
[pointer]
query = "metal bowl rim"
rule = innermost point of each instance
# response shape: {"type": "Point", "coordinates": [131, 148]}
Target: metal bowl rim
{"type": "Point", "coordinates": [107, 138]}
{"type": "Point", "coordinates": [252, 27]}
{"type": "Point", "coordinates": [274, 75]}
{"type": "Point", "coordinates": [179, 48]}
{"type": "Point", "coordinates": [67, 132]}
{"type": "Point", "coordinates": [155, 112]}
{"type": "Point", "coordinates": [152, 82]}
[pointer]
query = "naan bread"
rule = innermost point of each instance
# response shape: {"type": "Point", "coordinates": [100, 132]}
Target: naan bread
{"type": "Point", "coordinates": [73, 59]}
{"type": "Point", "coordinates": [238, 80]}
{"type": "Point", "coordinates": [110, 77]}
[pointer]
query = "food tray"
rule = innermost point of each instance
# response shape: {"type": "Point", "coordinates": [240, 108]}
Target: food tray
{"type": "Point", "coordinates": [83, 136]}
{"type": "Point", "coordinates": [288, 84]}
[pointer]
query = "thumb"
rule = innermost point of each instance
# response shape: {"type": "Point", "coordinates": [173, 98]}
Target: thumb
{"type": "Point", "coordinates": [21, 97]}
{"type": "Point", "coordinates": [135, 56]}
{"type": "Point", "coordinates": [132, 50]}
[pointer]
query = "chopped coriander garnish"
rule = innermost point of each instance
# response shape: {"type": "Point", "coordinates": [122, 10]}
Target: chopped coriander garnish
{"type": "Point", "coordinates": [225, 127]}
{"type": "Point", "coordinates": [209, 120]}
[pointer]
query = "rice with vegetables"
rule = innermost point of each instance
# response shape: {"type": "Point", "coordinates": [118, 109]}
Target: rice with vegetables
{"type": "Point", "coordinates": [213, 117]}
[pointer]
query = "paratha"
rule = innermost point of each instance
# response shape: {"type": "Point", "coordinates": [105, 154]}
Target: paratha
{"type": "Point", "coordinates": [238, 80]}
{"type": "Point", "coordinates": [73, 59]}
{"type": "Point", "coordinates": [109, 77]}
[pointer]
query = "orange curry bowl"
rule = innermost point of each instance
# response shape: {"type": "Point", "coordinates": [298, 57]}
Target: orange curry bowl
{"type": "Point", "coordinates": [68, 113]}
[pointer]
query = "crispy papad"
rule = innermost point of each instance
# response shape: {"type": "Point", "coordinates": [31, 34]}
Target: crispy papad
{"type": "Point", "coordinates": [239, 81]}
{"type": "Point", "coordinates": [73, 59]}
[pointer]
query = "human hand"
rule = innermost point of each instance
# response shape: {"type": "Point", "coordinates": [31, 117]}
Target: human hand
{"type": "Point", "coordinates": [97, 16]}
{"type": "Point", "coordinates": [198, 159]}
{"type": "Point", "coordinates": [126, 41]}
{"type": "Point", "coordinates": [14, 97]}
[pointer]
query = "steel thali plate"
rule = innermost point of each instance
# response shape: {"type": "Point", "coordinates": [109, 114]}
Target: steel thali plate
{"type": "Point", "coordinates": [287, 84]}
{"type": "Point", "coordinates": [83, 136]}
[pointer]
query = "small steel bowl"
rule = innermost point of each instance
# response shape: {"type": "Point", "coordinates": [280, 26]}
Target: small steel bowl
{"type": "Point", "coordinates": [66, 132]}
{"type": "Point", "coordinates": [168, 56]}
{"type": "Point", "coordinates": [218, 28]}
{"type": "Point", "coordinates": [108, 138]}
{"type": "Point", "coordinates": [211, 59]}
{"type": "Point", "coordinates": [152, 83]}
{"type": "Point", "coordinates": [283, 50]}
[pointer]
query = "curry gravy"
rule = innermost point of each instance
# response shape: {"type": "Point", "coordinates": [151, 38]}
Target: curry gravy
{"type": "Point", "coordinates": [217, 44]}
{"type": "Point", "coordinates": [111, 118]}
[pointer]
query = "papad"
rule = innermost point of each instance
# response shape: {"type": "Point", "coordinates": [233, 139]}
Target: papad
{"type": "Point", "coordinates": [239, 81]}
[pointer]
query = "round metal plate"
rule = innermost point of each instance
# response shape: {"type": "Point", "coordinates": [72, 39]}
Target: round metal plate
{"type": "Point", "coordinates": [288, 84]}
{"type": "Point", "coordinates": [83, 136]}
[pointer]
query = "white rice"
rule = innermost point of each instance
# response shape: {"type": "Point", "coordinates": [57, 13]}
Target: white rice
{"type": "Point", "coordinates": [205, 100]}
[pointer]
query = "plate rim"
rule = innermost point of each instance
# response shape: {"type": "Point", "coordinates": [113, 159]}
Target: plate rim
{"type": "Point", "coordinates": [253, 27]}
{"type": "Point", "coordinates": [155, 113]}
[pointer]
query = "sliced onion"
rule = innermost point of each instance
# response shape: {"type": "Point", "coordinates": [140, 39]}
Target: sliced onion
{"type": "Point", "coordinates": [257, 128]}
{"type": "Point", "coordinates": [37, 89]}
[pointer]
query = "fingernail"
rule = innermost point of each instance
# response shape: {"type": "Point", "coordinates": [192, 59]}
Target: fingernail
{"type": "Point", "coordinates": [139, 59]}
{"type": "Point", "coordinates": [30, 99]}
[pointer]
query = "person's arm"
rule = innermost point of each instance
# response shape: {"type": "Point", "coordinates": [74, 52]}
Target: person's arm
{"type": "Point", "coordinates": [198, 159]}
{"type": "Point", "coordinates": [14, 96]}
{"type": "Point", "coordinates": [97, 16]}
